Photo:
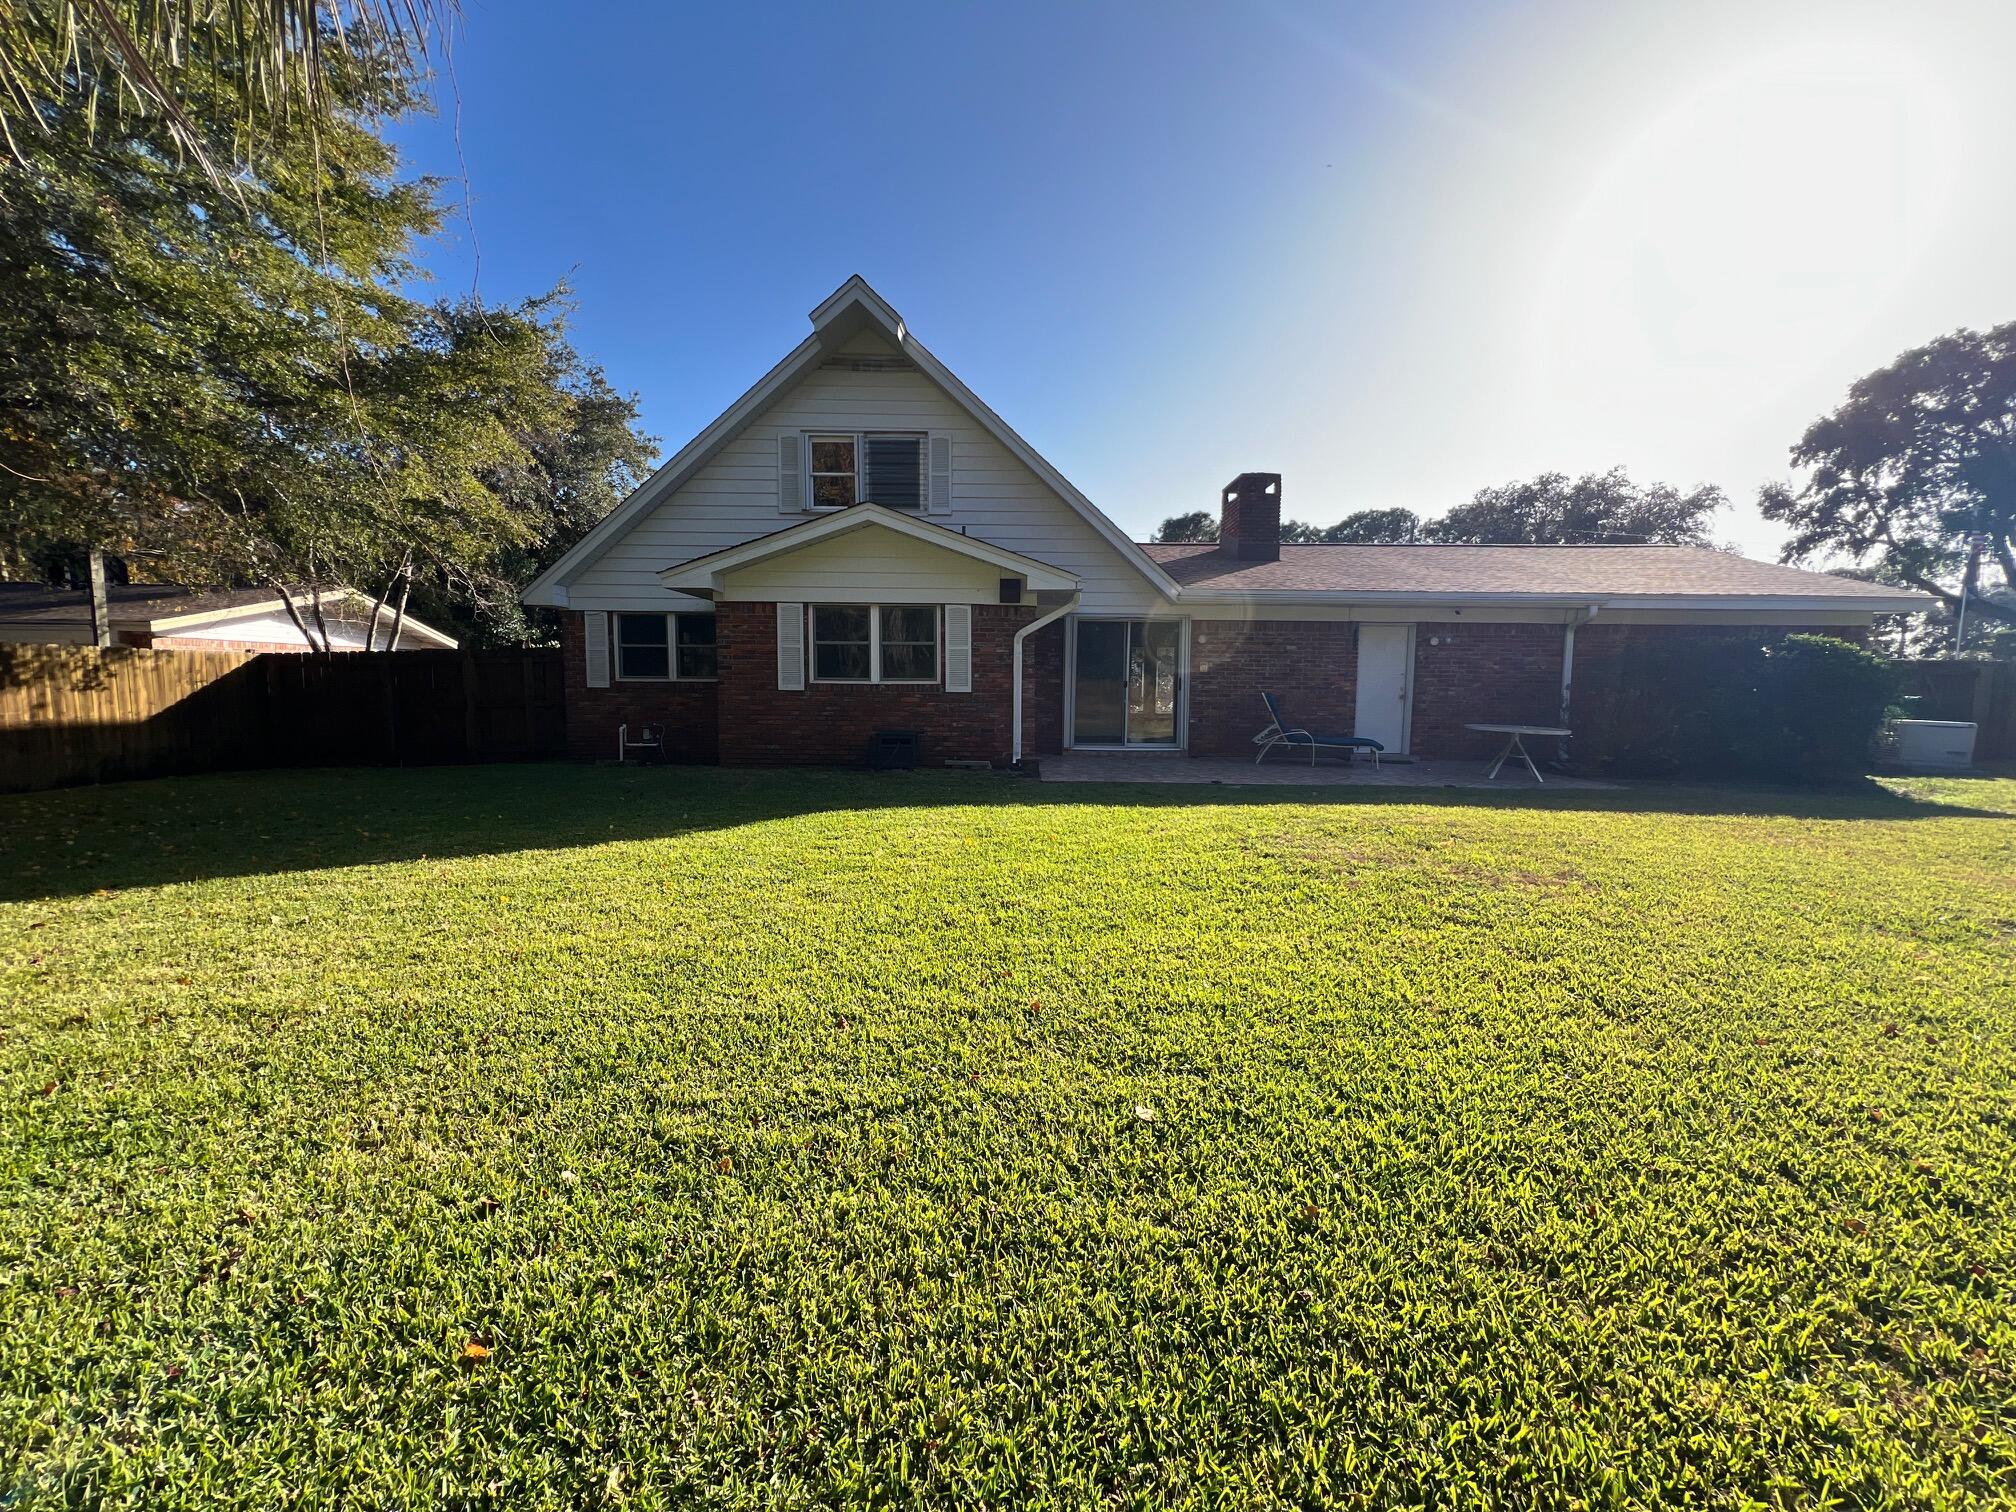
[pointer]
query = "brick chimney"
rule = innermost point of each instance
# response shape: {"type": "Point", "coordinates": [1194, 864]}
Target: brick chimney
{"type": "Point", "coordinates": [1249, 518]}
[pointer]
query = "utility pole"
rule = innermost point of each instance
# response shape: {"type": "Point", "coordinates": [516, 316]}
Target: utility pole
{"type": "Point", "coordinates": [1976, 544]}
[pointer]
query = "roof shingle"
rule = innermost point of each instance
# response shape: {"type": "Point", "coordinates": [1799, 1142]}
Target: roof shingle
{"type": "Point", "coordinates": [1551, 571]}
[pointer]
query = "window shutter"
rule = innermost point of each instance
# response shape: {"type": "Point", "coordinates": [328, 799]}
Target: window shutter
{"type": "Point", "coordinates": [595, 631]}
{"type": "Point", "coordinates": [790, 473]}
{"type": "Point", "coordinates": [958, 648]}
{"type": "Point", "coordinates": [791, 647]}
{"type": "Point", "coordinates": [941, 473]}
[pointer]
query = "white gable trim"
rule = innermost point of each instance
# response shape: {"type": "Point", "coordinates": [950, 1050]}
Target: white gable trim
{"type": "Point", "coordinates": [702, 576]}
{"type": "Point", "coordinates": [135, 617]}
{"type": "Point", "coordinates": [829, 330]}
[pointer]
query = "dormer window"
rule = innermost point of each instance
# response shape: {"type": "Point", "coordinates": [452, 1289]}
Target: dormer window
{"type": "Point", "coordinates": [872, 467]}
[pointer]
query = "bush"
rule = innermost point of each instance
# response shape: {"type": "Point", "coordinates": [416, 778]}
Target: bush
{"type": "Point", "coordinates": [1804, 708]}
{"type": "Point", "coordinates": [1820, 702]}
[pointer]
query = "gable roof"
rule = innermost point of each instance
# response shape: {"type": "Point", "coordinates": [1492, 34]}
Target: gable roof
{"type": "Point", "coordinates": [161, 608]}
{"type": "Point", "coordinates": [1652, 576]}
{"type": "Point", "coordinates": [700, 576]}
{"type": "Point", "coordinates": [843, 314]}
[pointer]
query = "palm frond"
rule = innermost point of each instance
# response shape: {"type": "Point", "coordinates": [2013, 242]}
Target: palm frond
{"type": "Point", "coordinates": [145, 53]}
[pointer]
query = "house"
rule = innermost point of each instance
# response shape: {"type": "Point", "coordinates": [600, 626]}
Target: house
{"type": "Point", "coordinates": [859, 544]}
{"type": "Point", "coordinates": [168, 617]}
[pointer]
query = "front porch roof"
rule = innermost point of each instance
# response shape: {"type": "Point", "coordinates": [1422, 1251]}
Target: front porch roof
{"type": "Point", "coordinates": [702, 576]}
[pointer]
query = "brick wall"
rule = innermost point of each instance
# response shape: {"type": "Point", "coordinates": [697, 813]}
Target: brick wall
{"type": "Point", "coordinates": [828, 724]}
{"type": "Point", "coordinates": [1464, 672]}
{"type": "Point", "coordinates": [1311, 664]}
{"type": "Point", "coordinates": [1477, 673]}
{"type": "Point", "coordinates": [686, 709]}
{"type": "Point", "coordinates": [1043, 691]}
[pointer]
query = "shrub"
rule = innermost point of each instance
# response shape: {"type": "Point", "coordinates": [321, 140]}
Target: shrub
{"type": "Point", "coordinates": [1820, 702]}
{"type": "Point", "coordinates": [1804, 708]}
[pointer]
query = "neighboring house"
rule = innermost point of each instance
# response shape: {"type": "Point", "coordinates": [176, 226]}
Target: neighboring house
{"type": "Point", "coordinates": [859, 544]}
{"type": "Point", "coordinates": [168, 617]}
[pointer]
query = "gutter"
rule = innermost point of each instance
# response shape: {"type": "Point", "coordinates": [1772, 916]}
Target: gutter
{"type": "Point", "coordinates": [1015, 741]}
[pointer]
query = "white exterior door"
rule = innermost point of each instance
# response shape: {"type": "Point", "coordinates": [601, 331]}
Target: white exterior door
{"type": "Point", "coordinates": [1385, 683]}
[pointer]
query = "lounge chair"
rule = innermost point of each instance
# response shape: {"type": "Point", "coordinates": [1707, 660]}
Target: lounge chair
{"type": "Point", "coordinates": [1281, 733]}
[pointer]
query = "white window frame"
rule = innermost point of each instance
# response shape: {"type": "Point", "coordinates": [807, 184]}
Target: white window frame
{"type": "Point", "coordinates": [861, 440]}
{"type": "Point", "coordinates": [813, 438]}
{"type": "Point", "coordinates": [671, 618]}
{"type": "Point", "coordinates": [875, 677]}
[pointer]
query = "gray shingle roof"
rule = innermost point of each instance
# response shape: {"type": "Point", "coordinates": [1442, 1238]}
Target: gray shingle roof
{"type": "Point", "coordinates": [137, 605]}
{"type": "Point", "coordinates": [1513, 571]}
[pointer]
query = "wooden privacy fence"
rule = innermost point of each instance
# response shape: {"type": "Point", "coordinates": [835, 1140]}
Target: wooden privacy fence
{"type": "Point", "coordinates": [1978, 692]}
{"type": "Point", "coordinates": [71, 714]}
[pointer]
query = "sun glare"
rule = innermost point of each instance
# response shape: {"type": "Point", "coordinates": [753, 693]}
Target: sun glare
{"type": "Point", "coordinates": [1773, 209]}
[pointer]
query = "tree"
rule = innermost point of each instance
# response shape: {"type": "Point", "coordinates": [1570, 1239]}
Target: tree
{"type": "Point", "coordinates": [1198, 525]}
{"type": "Point", "coordinates": [173, 58]}
{"type": "Point", "coordinates": [228, 384]}
{"type": "Point", "coordinates": [1605, 508]}
{"type": "Point", "coordinates": [574, 464]}
{"type": "Point", "coordinates": [1920, 460]}
{"type": "Point", "coordinates": [1375, 527]}
{"type": "Point", "coordinates": [1369, 525]}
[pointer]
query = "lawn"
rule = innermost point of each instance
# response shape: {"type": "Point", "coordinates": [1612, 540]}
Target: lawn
{"type": "Point", "coordinates": [553, 1136]}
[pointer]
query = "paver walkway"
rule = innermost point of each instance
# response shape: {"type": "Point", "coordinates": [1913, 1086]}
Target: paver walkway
{"type": "Point", "coordinates": [1286, 771]}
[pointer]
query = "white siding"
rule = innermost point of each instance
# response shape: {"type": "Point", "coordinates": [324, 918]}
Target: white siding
{"type": "Point", "coordinates": [871, 565]}
{"type": "Point", "coordinates": [734, 497]}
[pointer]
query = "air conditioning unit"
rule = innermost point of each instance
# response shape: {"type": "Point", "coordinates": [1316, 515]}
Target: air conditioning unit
{"type": "Point", "coordinates": [1934, 744]}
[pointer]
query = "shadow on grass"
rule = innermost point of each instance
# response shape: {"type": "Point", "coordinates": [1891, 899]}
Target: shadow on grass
{"type": "Point", "coordinates": [186, 829]}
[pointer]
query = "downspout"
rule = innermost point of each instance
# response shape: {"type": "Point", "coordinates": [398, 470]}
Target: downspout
{"type": "Point", "coordinates": [1580, 617]}
{"type": "Point", "coordinates": [1015, 742]}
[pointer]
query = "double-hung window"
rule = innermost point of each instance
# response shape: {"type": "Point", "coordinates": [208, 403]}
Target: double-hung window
{"type": "Point", "coordinates": [836, 471]}
{"type": "Point", "coordinates": [870, 467]}
{"type": "Point", "coordinates": [658, 647]}
{"type": "Point", "coordinates": [875, 643]}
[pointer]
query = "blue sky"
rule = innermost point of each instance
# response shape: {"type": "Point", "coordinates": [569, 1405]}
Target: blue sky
{"type": "Point", "coordinates": [1394, 251]}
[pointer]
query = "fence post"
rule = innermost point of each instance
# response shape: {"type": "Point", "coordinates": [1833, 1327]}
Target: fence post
{"type": "Point", "coordinates": [472, 724]}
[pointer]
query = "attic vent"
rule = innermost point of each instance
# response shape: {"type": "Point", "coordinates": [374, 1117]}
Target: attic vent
{"type": "Point", "coordinates": [870, 364]}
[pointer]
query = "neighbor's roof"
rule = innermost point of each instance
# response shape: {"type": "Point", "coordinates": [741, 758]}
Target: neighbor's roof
{"type": "Point", "coordinates": [1582, 573]}
{"type": "Point", "coordinates": [133, 604]}
{"type": "Point", "coordinates": [166, 606]}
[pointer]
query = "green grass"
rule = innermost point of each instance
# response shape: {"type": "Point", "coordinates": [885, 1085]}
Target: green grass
{"type": "Point", "coordinates": [799, 1140]}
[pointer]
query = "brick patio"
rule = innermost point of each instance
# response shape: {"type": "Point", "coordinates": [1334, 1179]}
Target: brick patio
{"type": "Point", "coordinates": [1285, 771]}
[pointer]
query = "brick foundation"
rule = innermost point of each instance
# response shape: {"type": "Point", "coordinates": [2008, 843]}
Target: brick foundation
{"type": "Point", "coordinates": [685, 709]}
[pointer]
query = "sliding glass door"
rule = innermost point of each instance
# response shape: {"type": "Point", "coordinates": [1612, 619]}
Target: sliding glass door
{"type": "Point", "coordinates": [1126, 682]}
